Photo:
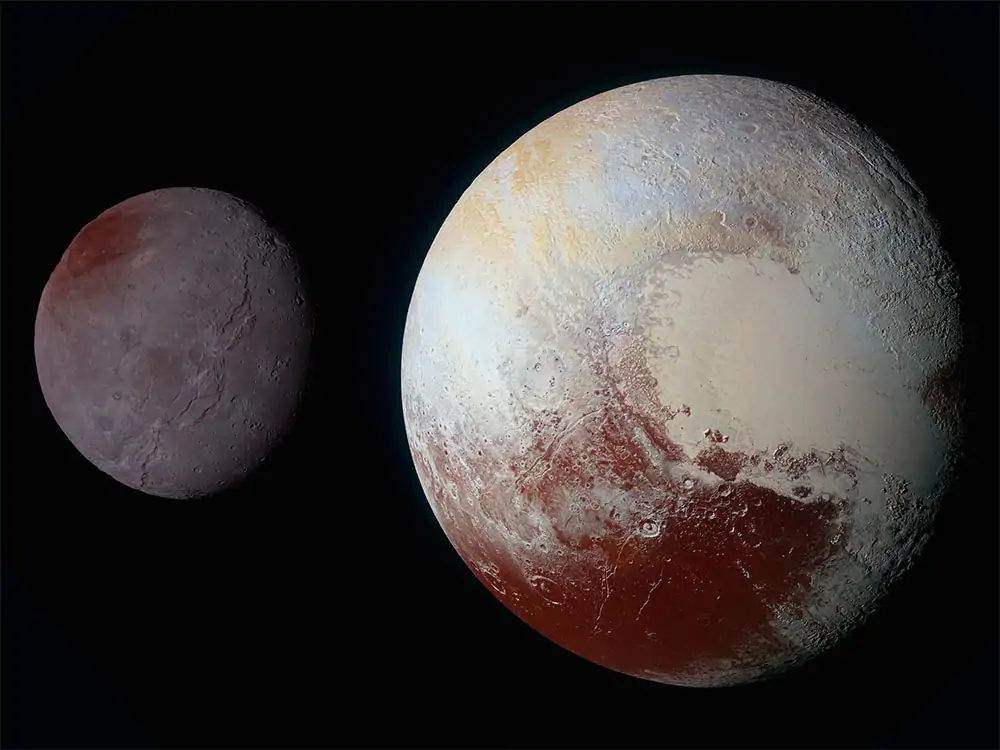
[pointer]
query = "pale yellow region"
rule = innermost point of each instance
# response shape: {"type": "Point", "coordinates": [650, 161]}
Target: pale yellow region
{"type": "Point", "coordinates": [517, 210]}
{"type": "Point", "coordinates": [517, 214]}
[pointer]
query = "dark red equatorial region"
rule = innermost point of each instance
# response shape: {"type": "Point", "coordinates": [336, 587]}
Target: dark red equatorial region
{"type": "Point", "coordinates": [651, 567]}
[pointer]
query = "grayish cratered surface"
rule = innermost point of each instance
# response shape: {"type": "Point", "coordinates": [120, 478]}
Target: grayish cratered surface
{"type": "Point", "coordinates": [172, 341]}
{"type": "Point", "coordinates": [679, 314]}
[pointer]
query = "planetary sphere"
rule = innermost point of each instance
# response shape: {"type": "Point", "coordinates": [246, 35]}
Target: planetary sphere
{"type": "Point", "coordinates": [679, 377]}
{"type": "Point", "coordinates": [172, 341]}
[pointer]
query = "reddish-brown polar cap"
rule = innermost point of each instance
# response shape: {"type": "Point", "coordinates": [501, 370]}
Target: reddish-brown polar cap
{"type": "Point", "coordinates": [90, 266]}
{"type": "Point", "coordinates": [172, 340]}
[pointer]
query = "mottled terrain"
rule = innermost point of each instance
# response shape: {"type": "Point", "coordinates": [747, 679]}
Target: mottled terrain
{"type": "Point", "coordinates": [172, 341]}
{"type": "Point", "coordinates": [678, 377]}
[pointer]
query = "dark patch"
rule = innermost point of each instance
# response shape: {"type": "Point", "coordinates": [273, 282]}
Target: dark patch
{"type": "Point", "coordinates": [765, 229]}
{"type": "Point", "coordinates": [704, 578]}
{"type": "Point", "coordinates": [839, 462]}
{"type": "Point", "coordinates": [801, 492]}
{"type": "Point", "coordinates": [113, 234]}
{"type": "Point", "coordinates": [695, 582]}
{"type": "Point", "coordinates": [941, 393]}
{"type": "Point", "coordinates": [769, 229]}
{"type": "Point", "coordinates": [721, 462]}
{"type": "Point", "coordinates": [798, 466]}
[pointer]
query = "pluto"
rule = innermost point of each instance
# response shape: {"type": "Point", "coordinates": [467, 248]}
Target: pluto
{"type": "Point", "coordinates": [679, 377]}
{"type": "Point", "coordinates": [172, 341]}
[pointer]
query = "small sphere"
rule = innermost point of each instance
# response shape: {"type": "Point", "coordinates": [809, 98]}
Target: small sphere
{"type": "Point", "coordinates": [169, 344]}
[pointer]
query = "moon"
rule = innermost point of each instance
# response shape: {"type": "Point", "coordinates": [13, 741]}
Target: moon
{"type": "Point", "coordinates": [172, 341]}
{"type": "Point", "coordinates": [679, 377]}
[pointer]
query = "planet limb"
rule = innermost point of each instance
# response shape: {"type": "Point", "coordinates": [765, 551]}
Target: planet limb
{"type": "Point", "coordinates": [679, 377]}
{"type": "Point", "coordinates": [172, 341]}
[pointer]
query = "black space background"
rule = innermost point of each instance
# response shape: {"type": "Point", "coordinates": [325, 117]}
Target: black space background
{"type": "Point", "coordinates": [321, 605]}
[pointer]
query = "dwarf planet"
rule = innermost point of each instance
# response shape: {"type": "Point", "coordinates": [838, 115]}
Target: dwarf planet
{"type": "Point", "coordinates": [679, 377]}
